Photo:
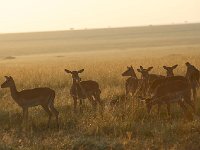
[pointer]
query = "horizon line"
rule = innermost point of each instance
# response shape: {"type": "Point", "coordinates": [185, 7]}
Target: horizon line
{"type": "Point", "coordinates": [98, 28]}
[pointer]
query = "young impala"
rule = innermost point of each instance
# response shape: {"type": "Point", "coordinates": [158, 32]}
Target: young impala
{"type": "Point", "coordinates": [84, 89]}
{"type": "Point", "coordinates": [32, 97]}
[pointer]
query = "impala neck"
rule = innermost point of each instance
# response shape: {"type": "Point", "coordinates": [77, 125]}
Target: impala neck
{"type": "Point", "coordinates": [170, 74]}
{"type": "Point", "coordinates": [78, 84]}
{"type": "Point", "coordinates": [134, 75]}
{"type": "Point", "coordinates": [74, 82]}
{"type": "Point", "coordinates": [14, 92]}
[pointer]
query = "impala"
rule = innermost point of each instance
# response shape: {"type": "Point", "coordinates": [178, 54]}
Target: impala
{"type": "Point", "coordinates": [132, 83]}
{"type": "Point", "coordinates": [193, 75]}
{"type": "Point", "coordinates": [171, 90]}
{"type": "Point", "coordinates": [148, 78]}
{"type": "Point", "coordinates": [32, 97]}
{"type": "Point", "coordinates": [169, 73]}
{"type": "Point", "coordinates": [84, 89]}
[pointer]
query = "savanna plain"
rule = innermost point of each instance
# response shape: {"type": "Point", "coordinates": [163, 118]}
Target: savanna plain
{"type": "Point", "coordinates": [39, 60]}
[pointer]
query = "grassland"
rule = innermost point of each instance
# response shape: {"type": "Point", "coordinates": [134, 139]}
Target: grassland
{"type": "Point", "coordinates": [104, 55]}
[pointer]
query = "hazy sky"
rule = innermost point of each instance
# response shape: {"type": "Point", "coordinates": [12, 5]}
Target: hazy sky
{"type": "Point", "coordinates": [44, 15]}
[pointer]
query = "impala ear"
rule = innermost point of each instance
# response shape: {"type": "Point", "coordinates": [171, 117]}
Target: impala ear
{"type": "Point", "coordinates": [174, 67]}
{"type": "Point", "coordinates": [165, 67]}
{"type": "Point", "coordinates": [80, 71]}
{"type": "Point", "coordinates": [7, 78]}
{"type": "Point", "coordinates": [141, 68]}
{"type": "Point", "coordinates": [187, 64]}
{"type": "Point", "coordinates": [68, 71]}
{"type": "Point", "coordinates": [150, 68]}
{"type": "Point", "coordinates": [131, 67]}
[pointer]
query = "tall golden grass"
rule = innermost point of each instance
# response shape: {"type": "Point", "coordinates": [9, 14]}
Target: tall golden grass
{"type": "Point", "coordinates": [122, 127]}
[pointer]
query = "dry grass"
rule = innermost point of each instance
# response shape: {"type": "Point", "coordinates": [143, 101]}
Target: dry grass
{"type": "Point", "coordinates": [123, 127]}
{"type": "Point", "coordinates": [40, 60]}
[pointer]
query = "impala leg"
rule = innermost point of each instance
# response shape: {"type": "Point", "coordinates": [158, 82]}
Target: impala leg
{"type": "Point", "coordinates": [191, 103]}
{"type": "Point", "coordinates": [75, 103]}
{"type": "Point", "coordinates": [168, 110]}
{"type": "Point", "coordinates": [93, 102]}
{"type": "Point", "coordinates": [185, 110]}
{"type": "Point", "coordinates": [81, 105]}
{"type": "Point", "coordinates": [46, 108]}
{"type": "Point", "coordinates": [55, 112]}
{"type": "Point", "coordinates": [126, 92]}
{"type": "Point", "coordinates": [25, 116]}
{"type": "Point", "coordinates": [159, 106]}
{"type": "Point", "coordinates": [98, 99]}
{"type": "Point", "coordinates": [194, 90]}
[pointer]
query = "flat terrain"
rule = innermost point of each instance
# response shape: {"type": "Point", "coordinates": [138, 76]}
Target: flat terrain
{"type": "Point", "coordinates": [170, 37]}
{"type": "Point", "coordinates": [39, 60]}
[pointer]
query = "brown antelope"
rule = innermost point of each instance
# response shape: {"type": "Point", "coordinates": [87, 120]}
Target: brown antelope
{"type": "Point", "coordinates": [193, 75]}
{"type": "Point", "coordinates": [169, 73]}
{"type": "Point", "coordinates": [148, 79]}
{"type": "Point", "coordinates": [132, 82]}
{"type": "Point", "coordinates": [32, 97]}
{"type": "Point", "coordinates": [169, 70]}
{"type": "Point", "coordinates": [171, 90]}
{"type": "Point", "coordinates": [84, 89]}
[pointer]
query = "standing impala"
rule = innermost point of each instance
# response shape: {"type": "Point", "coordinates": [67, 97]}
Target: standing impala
{"type": "Point", "coordinates": [193, 75]}
{"type": "Point", "coordinates": [132, 83]}
{"type": "Point", "coordinates": [84, 89]}
{"type": "Point", "coordinates": [148, 78]}
{"type": "Point", "coordinates": [32, 97]}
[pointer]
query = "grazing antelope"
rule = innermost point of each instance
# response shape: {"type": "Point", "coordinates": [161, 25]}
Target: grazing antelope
{"type": "Point", "coordinates": [171, 90]}
{"type": "Point", "coordinates": [148, 79]}
{"type": "Point", "coordinates": [32, 97]}
{"type": "Point", "coordinates": [193, 75]}
{"type": "Point", "coordinates": [169, 70]}
{"type": "Point", "coordinates": [132, 82]}
{"type": "Point", "coordinates": [84, 89]}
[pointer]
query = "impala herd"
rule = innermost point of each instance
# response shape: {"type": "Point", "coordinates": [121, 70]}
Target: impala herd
{"type": "Point", "coordinates": [153, 89]}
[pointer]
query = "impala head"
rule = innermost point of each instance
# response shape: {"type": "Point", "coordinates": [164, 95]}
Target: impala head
{"type": "Point", "coordinates": [129, 72]}
{"type": "Point", "coordinates": [75, 74]}
{"type": "Point", "coordinates": [144, 72]}
{"type": "Point", "coordinates": [8, 83]}
{"type": "Point", "coordinates": [170, 70]}
{"type": "Point", "coordinates": [190, 69]}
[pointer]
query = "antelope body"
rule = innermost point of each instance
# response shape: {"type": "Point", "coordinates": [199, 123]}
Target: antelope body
{"type": "Point", "coordinates": [132, 83]}
{"type": "Point", "coordinates": [84, 89]}
{"type": "Point", "coordinates": [171, 90]}
{"type": "Point", "coordinates": [32, 97]}
{"type": "Point", "coordinates": [148, 79]}
{"type": "Point", "coordinates": [193, 75]}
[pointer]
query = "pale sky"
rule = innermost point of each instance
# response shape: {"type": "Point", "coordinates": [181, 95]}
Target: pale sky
{"type": "Point", "coordinates": [45, 15]}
